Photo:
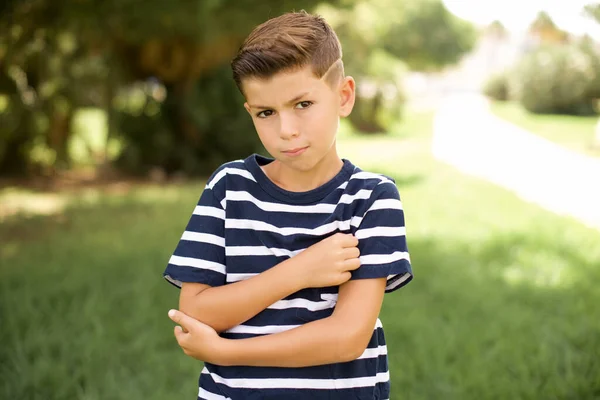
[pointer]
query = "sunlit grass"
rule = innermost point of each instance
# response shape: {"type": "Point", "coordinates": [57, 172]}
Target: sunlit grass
{"type": "Point", "coordinates": [576, 133]}
{"type": "Point", "coordinates": [504, 304]}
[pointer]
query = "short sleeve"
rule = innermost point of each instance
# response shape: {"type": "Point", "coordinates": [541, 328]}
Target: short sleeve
{"type": "Point", "coordinates": [200, 254]}
{"type": "Point", "coordinates": [382, 239]}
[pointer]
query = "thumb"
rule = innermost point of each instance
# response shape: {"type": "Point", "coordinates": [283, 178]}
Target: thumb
{"type": "Point", "coordinates": [180, 318]}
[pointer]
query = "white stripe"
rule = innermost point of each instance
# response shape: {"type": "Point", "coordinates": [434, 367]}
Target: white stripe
{"type": "Point", "coordinates": [302, 303]}
{"type": "Point", "coordinates": [197, 263]}
{"type": "Point", "coordinates": [380, 231]}
{"type": "Point", "coordinates": [386, 204]}
{"type": "Point", "coordinates": [378, 324]}
{"type": "Point", "coordinates": [384, 180]}
{"type": "Point", "coordinates": [298, 383]}
{"type": "Point", "coordinates": [239, 277]}
{"type": "Point", "coordinates": [374, 259]}
{"type": "Point", "coordinates": [288, 231]}
{"type": "Point", "coordinates": [203, 238]}
{"type": "Point", "coordinates": [398, 282]}
{"type": "Point", "coordinates": [364, 175]}
{"type": "Point", "coordinates": [367, 175]}
{"type": "Point", "coordinates": [374, 353]}
{"type": "Point", "coordinates": [211, 396]}
{"type": "Point", "coordinates": [209, 212]}
{"type": "Point", "coordinates": [229, 170]}
{"type": "Point", "coordinates": [259, 251]}
{"type": "Point", "coordinates": [268, 329]}
{"type": "Point", "coordinates": [329, 296]}
{"type": "Point", "coordinates": [361, 194]}
{"type": "Point", "coordinates": [279, 207]}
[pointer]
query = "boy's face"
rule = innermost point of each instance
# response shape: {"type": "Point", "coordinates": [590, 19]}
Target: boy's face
{"type": "Point", "coordinates": [296, 115]}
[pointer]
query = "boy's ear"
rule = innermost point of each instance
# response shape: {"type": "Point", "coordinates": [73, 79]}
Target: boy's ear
{"type": "Point", "coordinates": [347, 96]}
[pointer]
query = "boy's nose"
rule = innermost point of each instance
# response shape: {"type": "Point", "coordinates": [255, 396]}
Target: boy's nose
{"type": "Point", "coordinates": [288, 129]}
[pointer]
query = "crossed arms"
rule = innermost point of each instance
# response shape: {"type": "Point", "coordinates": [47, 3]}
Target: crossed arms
{"type": "Point", "coordinates": [342, 337]}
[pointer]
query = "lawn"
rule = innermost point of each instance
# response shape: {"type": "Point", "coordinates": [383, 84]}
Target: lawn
{"type": "Point", "coordinates": [504, 304]}
{"type": "Point", "coordinates": [574, 132]}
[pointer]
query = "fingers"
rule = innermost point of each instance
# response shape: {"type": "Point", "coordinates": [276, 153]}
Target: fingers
{"type": "Point", "coordinates": [351, 252]}
{"type": "Point", "coordinates": [352, 264]}
{"type": "Point", "coordinates": [346, 277]}
{"type": "Point", "coordinates": [347, 240]}
{"type": "Point", "coordinates": [178, 333]}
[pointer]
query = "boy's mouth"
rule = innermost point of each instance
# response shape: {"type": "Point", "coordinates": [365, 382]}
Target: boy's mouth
{"type": "Point", "coordinates": [295, 152]}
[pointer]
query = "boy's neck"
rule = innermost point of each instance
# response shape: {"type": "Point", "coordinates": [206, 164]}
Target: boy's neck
{"type": "Point", "coordinates": [295, 180]}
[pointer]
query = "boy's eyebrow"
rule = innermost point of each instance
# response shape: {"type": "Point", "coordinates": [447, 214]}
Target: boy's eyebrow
{"type": "Point", "coordinates": [292, 101]}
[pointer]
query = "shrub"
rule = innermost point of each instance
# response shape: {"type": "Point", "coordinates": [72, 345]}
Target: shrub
{"type": "Point", "coordinates": [497, 87]}
{"type": "Point", "coordinates": [556, 79]}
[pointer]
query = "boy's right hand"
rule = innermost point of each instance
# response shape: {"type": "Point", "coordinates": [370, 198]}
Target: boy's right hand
{"type": "Point", "coordinates": [329, 262]}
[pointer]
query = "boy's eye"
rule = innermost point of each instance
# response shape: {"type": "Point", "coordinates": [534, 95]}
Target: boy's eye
{"type": "Point", "coordinates": [304, 104]}
{"type": "Point", "coordinates": [265, 114]}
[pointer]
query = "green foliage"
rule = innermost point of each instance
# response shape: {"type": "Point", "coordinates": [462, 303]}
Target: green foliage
{"type": "Point", "coordinates": [497, 87]}
{"type": "Point", "coordinates": [589, 48]}
{"type": "Point", "coordinates": [593, 11]}
{"type": "Point", "coordinates": [217, 129]}
{"type": "Point", "coordinates": [57, 57]}
{"type": "Point", "coordinates": [429, 36]}
{"type": "Point", "coordinates": [556, 79]}
{"type": "Point", "coordinates": [380, 98]}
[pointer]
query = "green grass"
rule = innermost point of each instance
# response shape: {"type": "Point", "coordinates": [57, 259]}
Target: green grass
{"type": "Point", "coordinates": [504, 304]}
{"type": "Point", "coordinates": [574, 132]}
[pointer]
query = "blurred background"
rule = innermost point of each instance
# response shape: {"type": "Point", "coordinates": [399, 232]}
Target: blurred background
{"type": "Point", "coordinates": [113, 114]}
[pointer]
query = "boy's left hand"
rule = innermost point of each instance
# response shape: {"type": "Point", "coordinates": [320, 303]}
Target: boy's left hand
{"type": "Point", "coordinates": [197, 340]}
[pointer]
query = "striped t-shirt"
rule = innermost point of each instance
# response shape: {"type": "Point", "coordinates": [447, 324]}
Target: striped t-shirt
{"type": "Point", "coordinates": [245, 224]}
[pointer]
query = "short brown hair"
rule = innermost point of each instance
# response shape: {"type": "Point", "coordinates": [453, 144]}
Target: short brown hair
{"type": "Point", "coordinates": [288, 42]}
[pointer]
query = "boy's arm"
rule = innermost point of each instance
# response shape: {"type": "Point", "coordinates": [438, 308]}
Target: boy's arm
{"type": "Point", "coordinates": [327, 263]}
{"type": "Point", "coordinates": [226, 306]}
{"type": "Point", "coordinates": [341, 337]}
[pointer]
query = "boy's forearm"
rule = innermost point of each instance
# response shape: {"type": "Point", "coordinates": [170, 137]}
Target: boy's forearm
{"type": "Point", "coordinates": [320, 342]}
{"type": "Point", "coordinates": [226, 306]}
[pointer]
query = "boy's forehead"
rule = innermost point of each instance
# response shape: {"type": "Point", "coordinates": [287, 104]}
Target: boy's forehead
{"type": "Point", "coordinates": [281, 86]}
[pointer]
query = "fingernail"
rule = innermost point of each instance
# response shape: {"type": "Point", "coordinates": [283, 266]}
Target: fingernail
{"type": "Point", "coordinates": [171, 313]}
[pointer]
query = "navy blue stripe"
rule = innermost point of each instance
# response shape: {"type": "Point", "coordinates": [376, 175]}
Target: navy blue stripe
{"type": "Point", "coordinates": [206, 224]}
{"type": "Point", "coordinates": [379, 391]}
{"type": "Point", "coordinates": [356, 368]}
{"type": "Point", "coordinates": [200, 250]}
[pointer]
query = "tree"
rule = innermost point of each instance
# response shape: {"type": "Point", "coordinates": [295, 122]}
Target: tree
{"type": "Point", "coordinates": [56, 56]}
{"type": "Point", "coordinates": [496, 30]}
{"type": "Point", "coordinates": [545, 30]}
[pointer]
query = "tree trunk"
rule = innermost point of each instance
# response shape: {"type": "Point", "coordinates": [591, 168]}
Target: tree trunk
{"type": "Point", "coordinates": [58, 137]}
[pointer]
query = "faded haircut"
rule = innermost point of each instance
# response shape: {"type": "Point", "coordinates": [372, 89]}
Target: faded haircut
{"type": "Point", "coordinates": [286, 43]}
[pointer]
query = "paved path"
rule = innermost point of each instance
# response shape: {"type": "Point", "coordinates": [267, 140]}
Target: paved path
{"type": "Point", "coordinates": [469, 137]}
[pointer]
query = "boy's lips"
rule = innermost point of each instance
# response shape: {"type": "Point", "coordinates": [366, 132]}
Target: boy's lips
{"type": "Point", "coordinates": [295, 152]}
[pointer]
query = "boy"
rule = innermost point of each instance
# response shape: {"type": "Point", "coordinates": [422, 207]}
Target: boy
{"type": "Point", "coordinates": [285, 261]}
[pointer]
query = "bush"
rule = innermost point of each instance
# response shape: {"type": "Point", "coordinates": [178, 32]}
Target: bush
{"type": "Point", "coordinates": [497, 87]}
{"type": "Point", "coordinates": [588, 46]}
{"type": "Point", "coordinates": [556, 79]}
{"type": "Point", "coordinates": [192, 133]}
{"type": "Point", "coordinates": [380, 96]}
